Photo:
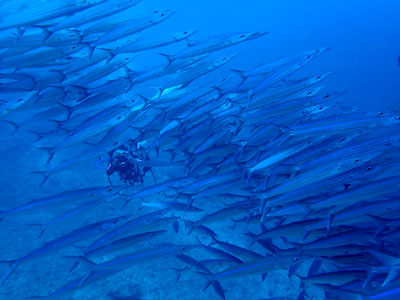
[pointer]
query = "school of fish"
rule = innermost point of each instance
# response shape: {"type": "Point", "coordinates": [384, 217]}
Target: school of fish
{"type": "Point", "coordinates": [255, 171]}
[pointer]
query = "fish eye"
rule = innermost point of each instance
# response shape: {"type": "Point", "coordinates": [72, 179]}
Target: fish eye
{"type": "Point", "coordinates": [381, 113]}
{"type": "Point", "coordinates": [19, 99]}
{"type": "Point", "coordinates": [115, 221]}
{"type": "Point", "coordinates": [369, 169]}
{"type": "Point", "coordinates": [327, 96]}
{"type": "Point", "coordinates": [148, 220]}
{"type": "Point", "coordinates": [346, 251]}
{"type": "Point", "coordinates": [183, 248]}
{"type": "Point", "coordinates": [398, 118]}
{"type": "Point", "coordinates": [296, 259]}
{"type": "Point", "coordinates": [126, 58]}
{"type": "Point", "coordinates": [321, 108]}
{"type": "Point", "coordinates": [356, 160]}
{"type": "Point", "coordinates": [162, 15]}
{"type": "Point", "coordinates": [110, 189]}
{"type": "Point", "coordinates": [242, 36]}
{"type": "Point", "coordinates": [119, 118]}
{"type": "Point", "coordinates": [185, 32]}
{"type": "Point", "coordinates": [152, 234]}
{"type": "Point", "coordinates": [308, 56]}
{"type": "Point", "coordinates": [156, 11]}
{"type": "Point", "coordinates": [309, 92]}
{"type": "Point", "coordinates": [342, 139]}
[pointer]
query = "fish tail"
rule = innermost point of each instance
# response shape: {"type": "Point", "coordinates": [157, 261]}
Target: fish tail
{"type": "Point", "coordinates": [80, 258]}
{"type": "Point", "coordinates": [92, 48]}
{"type": "Point", "coordinates": [282, 128]}
{"type": "Point", "coordinates": [178, 272]}
{"type": "Point", "coordinates": [85, 278]}
{"type": "Point", "coordinates": [188, 226]}
{"type": "Point", "coordinates": [168, 57]}
{"type": "Point", "coordinates": [45, 175]}
{"type": "Point", "coordinates": [242, 75]}
{"type": "Point", "coordinates": [252, 236]}
{"type": "Point", "coordinates": [14, 125]}
{"type": "Point", "coordinates": [50, 151]}
{"type": "Point", "coordinates": [40, 233]}
{"type": "Point", "coordinates": [11, 270]}
{"type": "Point", "coordinates": [39, 135]}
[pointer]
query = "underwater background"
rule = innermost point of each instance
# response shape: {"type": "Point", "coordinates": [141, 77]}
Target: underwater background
{"type": "Point", "coordinates": [277, 180]}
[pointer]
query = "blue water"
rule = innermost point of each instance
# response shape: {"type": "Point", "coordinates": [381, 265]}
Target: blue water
{"type": "Point", "coordinates": [362, 35]}
{"type": "Point", "coordinates": [364, 46]}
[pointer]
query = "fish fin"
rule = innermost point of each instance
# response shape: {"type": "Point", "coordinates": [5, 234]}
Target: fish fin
{"type": "Point", "coordinates": [159, 90]}
{"type": "Point", "coordinates": [218, 288]}
{"type": "Point", "coordinates": [269, 246]}
{"type": "Point", "coordinates": [175, 226]}
{"type": "Point", "coordinates": [92, 48]}
{"type": "Point", "coordinates": [385, 259]}
{"type": "Point", "coordinates": [301, 277]}
{"type": "Point", "coordinates": [263, 276]}
{"type": "Point", "coordinates": [392, 275]}
{"type": "Point", "coordinates": [85, 278]}
{"type": "Point", "coordinates": [189, 43]}
{"type": "Point", "coordinates": [302, 294]}
{"type": "Point", "coordinates": [381, 224]}
{"type": "Point", "coordinates": [370, 277]}
{"type": "Point", "coordinates": [314, 267]}
{"type": "Point", "coordinates": [293, 269]}
{"type": "Point", "coordinates": [331, 216]}
{"type": "Point", "coordinates": [347, 185]}
{"type": "Point", "coordinates": [208, 282]}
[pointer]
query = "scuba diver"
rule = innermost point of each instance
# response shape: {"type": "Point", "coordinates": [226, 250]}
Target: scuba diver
{"type": "Point", "coordinates": [128, 164]}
